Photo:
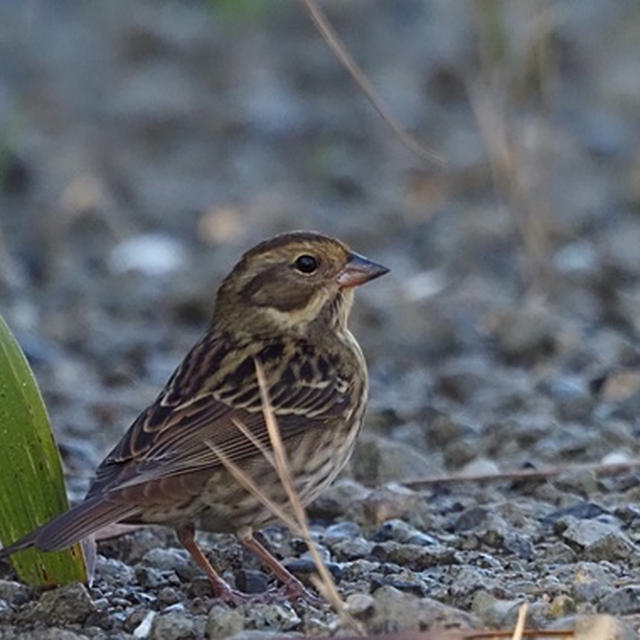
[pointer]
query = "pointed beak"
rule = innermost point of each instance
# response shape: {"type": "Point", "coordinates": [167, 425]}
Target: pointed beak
{"type": "Point", "coordinates": [359, 270]}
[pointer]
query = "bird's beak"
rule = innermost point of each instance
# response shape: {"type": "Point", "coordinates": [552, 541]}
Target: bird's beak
{"type": "Point", "coordinates": [359, 270]}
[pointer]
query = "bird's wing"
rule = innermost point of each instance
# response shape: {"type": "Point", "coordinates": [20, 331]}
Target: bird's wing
{"type": "Point", "coordinates": [196, 413]}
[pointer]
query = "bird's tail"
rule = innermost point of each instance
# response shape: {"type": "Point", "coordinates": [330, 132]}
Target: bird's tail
{"type": "Point", "coordinates": [73, 525]}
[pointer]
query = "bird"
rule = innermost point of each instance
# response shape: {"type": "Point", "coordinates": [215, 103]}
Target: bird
{"type": "Point", "coordinates": [284, 308]}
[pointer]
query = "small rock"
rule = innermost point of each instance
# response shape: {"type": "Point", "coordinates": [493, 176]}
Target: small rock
{"type": "Point", "coordinates": [560, 553]}
{"type": "Point", "coordinates": [402, 531]}
{"type": "Point", "coordinates": [377, 460]}
{"type": "Point", "coordinates": [340, 531]}
{"type": "Point", "coordinates": [252, 581]}
{"type": "Point", "coordinates": [275, 616]}
{"type": "Point", "coordinates": [260, 634]}
{"type": "Point", "coordinates": [591, 583]}
{"type": "Point", "coordinates": [561, 605]}
{"type": "Point", "coordinates": [307, 566]}
{"type": "Point", "coordinates": [114, 572]}
{"type": "Point", "coordinates": [581, 481]}
{"type": "Point", "coordinates": [64, 605]}
{"type": "Point", "coordinates": [582, 510]}
{"type": "Point", "coordinates": [391, 501]}
{"type": "Point", "coordinates": [415, 557]}
{"type": "Point", "coordinates": [360, 605]}
{"type": "Point", "coordinates": [5, 610]}
{"type": "Point", "coordinates": [175, 625]}
{"type": "Point", "coordinates": [612, 546]}
{"type": "Point", "coordinates": [524, 335]}
{"type": "Point", "coordinates": [398, 611]}
{"type": "Point", "coordinates": [222, 621]}
{"type": "Point", "coordinates": [493, 611]}
{"type": "Point", "coordinates": [345, 496]}
{"type": "Point", "coordinates": [143, 630]}
{"type": "Point", "coordinates": [352, 549]}
{"type": "Point", "coordinates": [14, 592]}
{"type": "Point", "coordinates": [151, 254]}
{"type": "Point", "coordinates": [170, 559]}
{"type": "Point", "coordinates": [602, 627]}
{"type": "Point", "coordinates": [622, 601]}
{"type": "Point", "coordinates": [599, 537]}
{"type": "Point", "coordinates": [470, 519]}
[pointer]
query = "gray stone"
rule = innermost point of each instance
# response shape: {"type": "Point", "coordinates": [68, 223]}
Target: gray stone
{"type": "Point", "coordinates": [176, 625]}
{"type": "Point", "coordinates": [377, 460]}
{"type": "Point", "coordinates": [590, 583]}
{"type": "Point", "coordinates": [612, 546]}
{"type": "Point", "coordinates": [352, 549]}
{"type": "Point", "coordinates": [360, 605]}
{"type": "Point", "coordinates": [222, 621]}
{"type": "Point", "coordinates": [602, 627]}
{"type": "Point", "coordinates": [402, 531]}
{"type": "Point", "coordinates": [622, 601]}
{"type": "Point", "coordinates": [14, 592]}
{"type": "Point", "coordinates": [398, 611]}
{"type": "Point", "coordinates": [494, 612]}
{"type": "Point", "coordinates": [274, 616]}
{"type": "Point", "coordinates": [341, 531]}
{"type": "Point", "coordinates": [415, 557]}
{"type": "Point", "coordinates": [64, 605]}
{"type": "Point", "coordinates": [260, 634]}
{"type": "Point", "coordinates": [584, 533]}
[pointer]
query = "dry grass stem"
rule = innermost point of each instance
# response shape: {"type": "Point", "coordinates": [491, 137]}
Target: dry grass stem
{"type": "Point", "coordinates": [298, 524]}
{"type": "Point", "coordinates": [522, 616]}
{"type": "Point", "coordinates": [360, 78]}
{"type": "Point", "coordinates": [326, 585]}
{"type": "Point", "coordinates": [600, 470]}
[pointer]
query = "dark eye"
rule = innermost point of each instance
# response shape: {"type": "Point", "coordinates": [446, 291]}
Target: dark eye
{"type": "Point", "coordinates": [306, 264]}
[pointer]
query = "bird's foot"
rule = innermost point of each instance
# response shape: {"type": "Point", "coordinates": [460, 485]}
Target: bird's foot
{"type": "Point", "coordinates": [223, 592]}
{"type": "Point", "coordinates": [293, 589]}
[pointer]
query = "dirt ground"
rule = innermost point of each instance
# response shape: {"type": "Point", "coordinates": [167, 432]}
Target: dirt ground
{"type": "Point", "coordinates": [144, 146]}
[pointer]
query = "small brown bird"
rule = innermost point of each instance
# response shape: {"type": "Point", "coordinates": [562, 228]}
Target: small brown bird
{"type": "Point", "coordinates": [285, 305]}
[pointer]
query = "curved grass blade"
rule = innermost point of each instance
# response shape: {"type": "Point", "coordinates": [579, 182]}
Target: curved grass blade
{"type": "Point", "coordinates": [31, 482]}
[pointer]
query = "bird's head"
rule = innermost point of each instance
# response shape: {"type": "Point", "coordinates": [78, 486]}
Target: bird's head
{"type": "Point", "coordinates": [290, 282]}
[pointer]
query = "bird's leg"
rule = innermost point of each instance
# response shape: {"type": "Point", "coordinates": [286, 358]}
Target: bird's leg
{"type": "Point", "coordinates": [187, 536]}
{"type": "Point", "coordinates": [294, 589]}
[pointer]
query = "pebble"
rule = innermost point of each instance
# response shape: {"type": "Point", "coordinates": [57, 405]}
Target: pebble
{"type": "Point", "coordinates": [395, 610]}
{"type": "Point", "coordinates": [272, 616]}
{"type": "Point", "coordinates": [223, 621]}
{"type": "Point", "coordinates": [622, 601]}
{"type": "Point", "coordinates": [150, 254]}
{"type": "Point", "coordinates": [377, 460]}
{"type": "Point", "coordinates": [352, 549]}
{"type": "Point", "coordinates": [602, 627]}
{"type": "Point", "coordinates": [360, 605]}
{"type": "Point", "coordinates": [64, 605]}
{"type": "Point", "coordinates": [176, 625]}
{"type": "Point", "coordinates": [493, 611]}
{"type": "Point", "coordinates": [14, 592]}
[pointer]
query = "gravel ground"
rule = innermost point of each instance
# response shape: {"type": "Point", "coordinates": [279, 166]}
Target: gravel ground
{"type": "Point", "coordinates": [146, 145]}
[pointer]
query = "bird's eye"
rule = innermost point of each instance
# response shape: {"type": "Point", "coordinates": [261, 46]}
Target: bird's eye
{"type": "Point", "coordinates": [306, 264]}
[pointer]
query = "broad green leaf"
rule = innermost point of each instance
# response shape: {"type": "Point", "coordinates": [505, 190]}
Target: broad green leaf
{"type": "Point", "coordinates": [31, 483]}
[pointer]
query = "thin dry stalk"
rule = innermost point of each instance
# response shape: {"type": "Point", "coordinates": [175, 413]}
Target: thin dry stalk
{"type": "Point", "coordinates": [325, 584]}
{"type": "Point", "coordinates": [517, 171]}
{"type": "Point", "coordinates": [277, 458]}
{"type": "Point", "coordinates": [332, 39]}
{"type": "Point", "coordinates": [600, 470]}
{"type": "Point", "coordinates": [522, 616]}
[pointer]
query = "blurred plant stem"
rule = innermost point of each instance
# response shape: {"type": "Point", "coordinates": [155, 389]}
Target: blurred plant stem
{"type": "Point", "coordinates": [513, 145]}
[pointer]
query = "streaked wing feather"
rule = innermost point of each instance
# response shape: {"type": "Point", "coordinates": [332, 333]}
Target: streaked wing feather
{"type": "Point", "coordinates": [197, 409]}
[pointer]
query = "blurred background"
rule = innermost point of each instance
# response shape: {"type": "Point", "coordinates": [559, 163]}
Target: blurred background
{"type": "Point", "coordinates": [144, 146]}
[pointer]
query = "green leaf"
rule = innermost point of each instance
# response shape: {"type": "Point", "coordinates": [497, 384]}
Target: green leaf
{"type": "Point", "coordinates": [31, 482]}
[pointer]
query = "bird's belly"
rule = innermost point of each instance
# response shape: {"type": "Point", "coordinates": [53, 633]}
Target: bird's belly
{"type": "Point", "coordinates": [315, 459]}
